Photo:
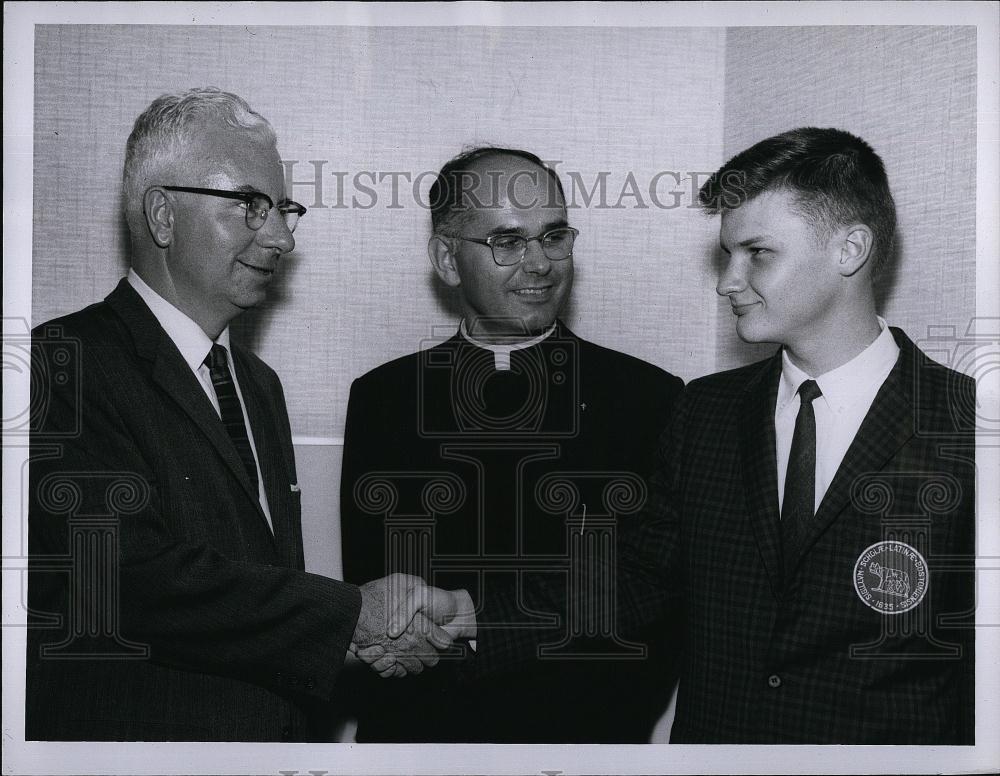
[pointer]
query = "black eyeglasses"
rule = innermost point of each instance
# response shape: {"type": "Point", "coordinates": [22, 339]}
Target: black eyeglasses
{"type": "Point", "coordinates": [509, 249]}
{"type": "Point", "coordinates": [258, 205]}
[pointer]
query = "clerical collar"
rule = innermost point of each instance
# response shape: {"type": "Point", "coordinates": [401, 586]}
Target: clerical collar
{"type": "Point", "coordinates": [501, 353]}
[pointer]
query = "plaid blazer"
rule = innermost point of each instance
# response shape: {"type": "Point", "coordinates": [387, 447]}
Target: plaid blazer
{"type": "Point", "coordinates": [809, 653]}
{"type": "Point", "coordinates": [162, 606]}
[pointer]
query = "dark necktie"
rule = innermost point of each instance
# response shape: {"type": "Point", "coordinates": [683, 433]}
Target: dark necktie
{"type": "Point", "coordinates": [230, 408]}
{"type": "Point", "coordinates": [799, 503]}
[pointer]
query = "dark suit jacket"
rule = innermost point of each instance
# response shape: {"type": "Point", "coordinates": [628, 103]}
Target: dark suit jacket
{"type": "Point", "coordinates": [473, 473]}
{"type": "Point", "coordinates": [799, 657]}
{"type": "Point", "coordinates": [177, 614]}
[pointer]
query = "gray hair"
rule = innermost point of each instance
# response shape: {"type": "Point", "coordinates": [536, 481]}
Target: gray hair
{"type": "Point", "coordinates": [165, 130]}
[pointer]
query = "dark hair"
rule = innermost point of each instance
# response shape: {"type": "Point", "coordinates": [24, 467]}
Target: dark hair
{"type": "Point", "coordinates": [451, 188]}
{"type": "Point", "coordinates": [837, 177]}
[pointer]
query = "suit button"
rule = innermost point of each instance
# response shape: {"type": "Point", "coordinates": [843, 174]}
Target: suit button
{"type": "Point", "coordinates": [286, 733]}
{"type": "Point", "coordinates": [774, 681]}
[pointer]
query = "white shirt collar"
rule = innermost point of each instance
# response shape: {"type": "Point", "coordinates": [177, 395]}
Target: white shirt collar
{"type": "Point", "coordinates": [501, 353]}
{"type": "Point", "coordinates": [847, 383]}
{"type": "Point", "coordinates": [190, 339]}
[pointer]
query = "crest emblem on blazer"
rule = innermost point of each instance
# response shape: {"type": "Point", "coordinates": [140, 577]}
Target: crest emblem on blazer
{"type": "Point", "coordinates": [891, 577]}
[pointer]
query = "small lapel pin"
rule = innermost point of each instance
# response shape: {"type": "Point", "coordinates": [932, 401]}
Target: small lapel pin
{"type": "Point", "coordinates": [295, 488]}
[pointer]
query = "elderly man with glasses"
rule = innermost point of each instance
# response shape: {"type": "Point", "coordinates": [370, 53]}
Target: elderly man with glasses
{"type": "Point", "coordinates": [168, 595]}
{"type": "Point", "coordinates": [500, 457]}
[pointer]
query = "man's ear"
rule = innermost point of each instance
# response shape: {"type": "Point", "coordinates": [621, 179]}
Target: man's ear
{"type": "Point", "coordinates": [159, 214]}
{"type": "Point", "coordinates": [856, 243]}
{"type": "Point", "coordinates": [440, 251]}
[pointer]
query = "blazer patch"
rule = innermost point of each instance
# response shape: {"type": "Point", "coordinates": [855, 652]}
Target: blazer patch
{"type": "Point", "coordinates": [891, 577]}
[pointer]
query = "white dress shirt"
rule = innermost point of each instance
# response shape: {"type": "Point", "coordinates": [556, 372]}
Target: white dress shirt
{"type": "Point", "coordinates": [194, 346]}
{"type": "Point", "coordinates": [501, 353]}
{"type": "Point", "coordinates": [848, 393]}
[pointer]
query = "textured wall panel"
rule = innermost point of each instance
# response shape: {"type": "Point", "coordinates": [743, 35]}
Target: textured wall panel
{"type": "Point", "coordinates": [318, 467]}
{"type": "Point", "coordinates": [358, 289]}
{"type": "Point", "coordinates": [911, 93]}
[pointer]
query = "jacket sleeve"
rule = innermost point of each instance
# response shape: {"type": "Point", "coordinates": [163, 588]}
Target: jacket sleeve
{"type": "Point", "coordinates": [362, 531]}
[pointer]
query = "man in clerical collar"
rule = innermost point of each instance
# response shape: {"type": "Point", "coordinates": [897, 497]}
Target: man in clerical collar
{"type": "Point", "coordinates": [496, 452]}
{"type": "Point", "coordinates": [502, 238]}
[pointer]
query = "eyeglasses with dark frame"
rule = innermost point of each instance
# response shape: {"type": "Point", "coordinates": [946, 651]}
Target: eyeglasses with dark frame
{"type": "Point", "coordinates": [509, 248]}
{"type": "Point", "coordinates": [258, 205]}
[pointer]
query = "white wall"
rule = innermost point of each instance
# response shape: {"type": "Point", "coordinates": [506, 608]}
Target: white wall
{"type": "Point", "coordinates": [911, 93]}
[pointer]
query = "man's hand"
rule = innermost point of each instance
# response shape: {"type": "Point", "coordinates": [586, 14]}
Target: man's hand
{"type": "Point", "coordinates": [452, 610]}
{"type": "Point", "coordinates": [410, 647]}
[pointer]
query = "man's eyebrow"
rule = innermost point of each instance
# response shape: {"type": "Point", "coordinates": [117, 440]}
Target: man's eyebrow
{"type": "Point", "coordinates": [248, 189]}
{"type": "Point", "coordinates": [757, 238]}
{"type": "Point", "coordinates": [515, 229]}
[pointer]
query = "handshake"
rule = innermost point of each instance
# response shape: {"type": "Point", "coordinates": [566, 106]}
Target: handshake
{"type": "Point", "coordinates": [405, 624]}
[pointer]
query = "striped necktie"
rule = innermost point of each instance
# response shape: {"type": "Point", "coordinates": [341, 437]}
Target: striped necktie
{"type": "Point", "coordinates": [230, 408]}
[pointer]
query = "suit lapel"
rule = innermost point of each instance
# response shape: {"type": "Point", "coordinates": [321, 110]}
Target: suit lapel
{"type": "Point", "coordinates": [760, 478]}
{"type": "Point", "coordinates": [885, 429]}
{"type": "Point", "coordinates": [172, 374]}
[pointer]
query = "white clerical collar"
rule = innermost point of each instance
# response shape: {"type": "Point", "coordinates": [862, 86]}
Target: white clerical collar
{"type": "Point", "coordinates": [190, 339]}
{"type": "Point", "coordinates": [501, 353]}
{"type": "Point", "coordinates": [842, 386]}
